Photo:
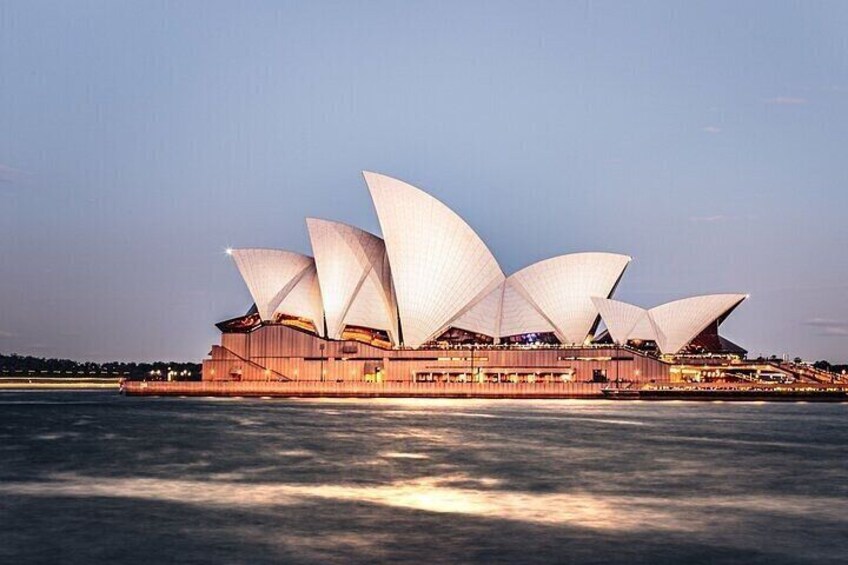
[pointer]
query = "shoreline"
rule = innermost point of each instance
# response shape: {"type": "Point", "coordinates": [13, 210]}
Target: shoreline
{"type": "Point", "coordinates": [59, 383]}
{"type": "Point", "coordinates": [552, 391]}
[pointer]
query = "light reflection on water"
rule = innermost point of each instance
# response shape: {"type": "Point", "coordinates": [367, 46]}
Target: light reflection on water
{"type": "Point", "coordinates": [193, 480]}
{"type": "Point", "coordinates": [431, 495]}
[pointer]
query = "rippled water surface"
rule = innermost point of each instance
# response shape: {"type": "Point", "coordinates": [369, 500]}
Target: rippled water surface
{"type": "Point", "coordinates": [99, 478]}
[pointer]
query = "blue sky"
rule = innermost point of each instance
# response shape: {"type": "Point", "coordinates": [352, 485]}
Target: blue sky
{"type": "Point", "coordinates": [139, 139]}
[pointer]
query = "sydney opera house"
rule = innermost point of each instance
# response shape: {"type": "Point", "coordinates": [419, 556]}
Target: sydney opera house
{"type": "Point", "coordinates": [428, 302]}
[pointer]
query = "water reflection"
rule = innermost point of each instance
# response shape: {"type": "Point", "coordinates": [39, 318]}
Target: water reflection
{"type": "Point", "coordinates": [431, 495]}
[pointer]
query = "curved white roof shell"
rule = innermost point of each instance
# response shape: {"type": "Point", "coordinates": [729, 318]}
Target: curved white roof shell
{"type": "Point", "coordinates": [622, 319]}
{"type": "Point", "coordinates": [679, 322]}
{"type": "Point", "coordinates": [304, 300]}
{"type": "Point", "coordinates": [519, 315]}
{"type": "Point", "coordinates": [561, 289]}
{"type": "Point", "coordinates": [440, 266]}
{"type": "Point", "coordinates": [672, 325]}
{"type": "Point", "coordinates": [270, 275]}
{"type": "Point", "coordinates": [549, 296]}
{"type": "Point", "coordinates": [645, 330]}
{"type": "Point", "coordinates": [354, 277]}
{"type": "Point", "coordinates": [485, 316]}
{"type": "Point", "coordinates": [504, 312]}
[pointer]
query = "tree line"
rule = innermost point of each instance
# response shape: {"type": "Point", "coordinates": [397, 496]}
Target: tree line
{"type": "Point", "coordinates": [23, 365]}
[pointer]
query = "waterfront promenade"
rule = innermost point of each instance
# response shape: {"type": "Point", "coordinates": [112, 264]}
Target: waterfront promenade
{"type": "Point", "coordinates": [318, 389]}
{"type": "Point", "coordinates": [59, 383]}
{"type": "Point", "coordinates": [333, 389]}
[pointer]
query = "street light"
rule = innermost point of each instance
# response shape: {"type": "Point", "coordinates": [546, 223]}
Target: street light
{"type": "Point", "coordinates": [472, 362]}
{"type": "Point", "coordinates": [321, 347]}
{"type": "Point", "coordinates": [617, 362]}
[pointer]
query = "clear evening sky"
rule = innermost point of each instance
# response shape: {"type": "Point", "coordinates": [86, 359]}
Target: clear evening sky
{"type": "Point", "coordinates": [138, 140]}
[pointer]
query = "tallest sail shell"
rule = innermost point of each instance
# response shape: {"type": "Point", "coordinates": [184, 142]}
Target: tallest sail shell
{"type": "Point", "coordinates": [440, 266]}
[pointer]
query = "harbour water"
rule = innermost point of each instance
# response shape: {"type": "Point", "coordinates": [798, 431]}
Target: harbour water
{"type": "Point", "coordinates": [100, 478]}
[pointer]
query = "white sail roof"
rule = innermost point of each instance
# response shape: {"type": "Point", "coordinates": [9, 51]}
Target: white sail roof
{"type": "Point", "coordinates": [561, 289]}
{"type": "Point", "coordinates": [519, 316]}
{"type": "Point", "coordinates": [681, 321]}
{"type": "Point", "coordinates": [370, 309]}
{"type": "Point", "coordinates": [672, 325]}
{"type": "Point", "coordinates": [622, 318]}
{"type": "Point", "coordinates": [550, 296]}
{"type": "Point", "coordinates": [270, 275]}
{"type": "Point", "coordinates": [645, 330]}
{"type": "Point", "coordinates": [354, 277]}
{"type": "Point", "coordinates": [304, 299]}
{"type": "Point", "coordinates": [484, 317]}
{"type": "Point", "coordinates": [440, 266]}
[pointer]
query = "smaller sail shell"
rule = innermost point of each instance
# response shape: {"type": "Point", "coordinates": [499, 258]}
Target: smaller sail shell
{"type": "Point", "coordinates": [270, 274]}
{"type": "Point", "coordinates": [354, 277]}
{"type": "Point", "coordinates": [672, 325]}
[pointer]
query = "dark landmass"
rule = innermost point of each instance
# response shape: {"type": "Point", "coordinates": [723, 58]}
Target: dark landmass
{"type": "Point", "coordinates": [825, 366]}
{"type": "Point", "coordinates": [14, 365]}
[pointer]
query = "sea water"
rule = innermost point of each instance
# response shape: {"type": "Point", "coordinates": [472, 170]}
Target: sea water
{"type": "Point", "coordinates": [101, 478]}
